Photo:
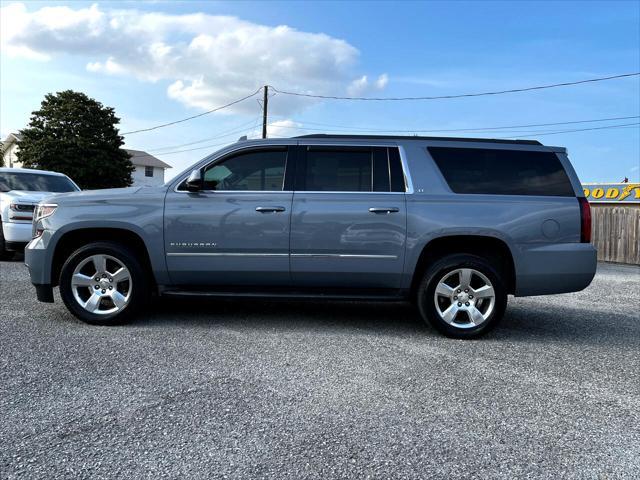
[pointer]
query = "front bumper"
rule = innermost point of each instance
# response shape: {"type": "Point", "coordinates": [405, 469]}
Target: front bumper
{"type": "Point", "coordinates": [37, 260]}
{"type": "Point", "coordinates": [44, 293]}
{"type": "Point", "coordinates": [19, 233]}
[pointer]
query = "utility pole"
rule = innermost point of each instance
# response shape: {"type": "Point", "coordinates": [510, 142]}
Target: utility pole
{"type": "Point", "coordinates": [265, 100]}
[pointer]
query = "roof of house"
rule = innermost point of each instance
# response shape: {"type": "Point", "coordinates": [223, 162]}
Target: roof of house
{"type": "Point", "coordinates": [11, 139]}
{"type": "Point", "coordinates": [144, 159]}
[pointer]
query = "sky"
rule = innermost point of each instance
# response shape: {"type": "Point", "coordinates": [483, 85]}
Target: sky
{"type": "Point", "coordinates": [160, 61]}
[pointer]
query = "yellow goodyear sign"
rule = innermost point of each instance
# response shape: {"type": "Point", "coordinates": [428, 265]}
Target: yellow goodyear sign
{"type": "Point", "coordinates": [612, 192]}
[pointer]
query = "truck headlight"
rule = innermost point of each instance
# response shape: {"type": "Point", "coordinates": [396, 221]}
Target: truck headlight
{"type": "Point", "coordinates": [44, 210]}
{"type": "Point", "coordinates": [20, 207]}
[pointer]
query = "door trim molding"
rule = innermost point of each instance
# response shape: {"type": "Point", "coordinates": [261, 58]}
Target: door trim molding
{"type": "Point", "coordinates": [343, 255]}
{"type": "Point", "coordinates": [224, 254]}
{"type": "Point", "coordinates": [295, 255]}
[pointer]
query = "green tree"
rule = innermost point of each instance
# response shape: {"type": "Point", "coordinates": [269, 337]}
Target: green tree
{"type": "Point", "coordinates": [78, 136]}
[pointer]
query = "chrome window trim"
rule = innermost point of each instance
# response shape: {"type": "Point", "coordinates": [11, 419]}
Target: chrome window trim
{"type": "Point", "coordinates": [238, 191]}
{"type": "Point", "coordinates": [300, 192]}
{"type": "Point", "coordinates": [408, 182]}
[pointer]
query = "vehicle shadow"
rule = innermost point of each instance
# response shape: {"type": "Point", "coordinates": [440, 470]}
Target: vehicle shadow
{"type": "Point", "coordinates": [522, 322]}
{"type": "Point", "coordinates": [17, 257]}
{"type": "Point", "coordinates": [532, 323]}
{"type": "Point", "coordinates": [287, 316]}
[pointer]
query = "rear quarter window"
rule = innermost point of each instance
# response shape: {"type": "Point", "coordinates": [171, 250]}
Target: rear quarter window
{"type": "Point", "coordinates": [502, 172]}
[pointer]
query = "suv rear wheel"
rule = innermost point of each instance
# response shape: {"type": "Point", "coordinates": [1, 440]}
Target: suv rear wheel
{"type": "Point", "coordinates": [103, 284]}
{"type": "Point", "coordinates": [462, 296]}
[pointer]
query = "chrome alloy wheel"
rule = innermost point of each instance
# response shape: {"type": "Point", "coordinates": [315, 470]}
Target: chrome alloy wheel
{"type": "Point", "coordinates": [464, 298]}
{"type": "Point", "coordinates": [101, 284]}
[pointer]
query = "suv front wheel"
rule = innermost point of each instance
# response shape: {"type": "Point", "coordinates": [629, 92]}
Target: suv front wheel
{"type": "Point", "coordinates": [462, 296]}
{"type": "Point", "coordinates": [103, 284]}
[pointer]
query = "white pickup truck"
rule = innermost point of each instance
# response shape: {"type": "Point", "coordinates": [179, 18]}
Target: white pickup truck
{"type": "Point", "coordinates": [20, 191]}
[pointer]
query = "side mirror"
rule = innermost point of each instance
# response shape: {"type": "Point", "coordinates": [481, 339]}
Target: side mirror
{"type": "Point", "coordinates": [194, 182]}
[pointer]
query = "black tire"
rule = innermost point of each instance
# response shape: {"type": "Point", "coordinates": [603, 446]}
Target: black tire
{"type": "Point", "coordinates": [4, 253]}
{"type": "Point", "coordinates": [459, 329]}
{"type": "Point", "coordinates": [139, 278]}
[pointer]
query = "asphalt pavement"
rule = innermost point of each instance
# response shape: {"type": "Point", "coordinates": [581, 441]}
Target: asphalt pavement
{"type": "Point", "coordinates": [256, 389]}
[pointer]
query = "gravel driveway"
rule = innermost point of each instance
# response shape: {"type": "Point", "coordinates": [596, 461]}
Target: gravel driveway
{"type": "Point", "coordinates": [260, 389]}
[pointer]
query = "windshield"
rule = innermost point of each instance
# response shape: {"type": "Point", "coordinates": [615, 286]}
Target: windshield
{"type": "Point", "coordinates": [35, 182]}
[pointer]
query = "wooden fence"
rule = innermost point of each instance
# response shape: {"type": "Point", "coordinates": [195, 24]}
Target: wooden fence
{"type": "Point", "coordinates": [616, 232]}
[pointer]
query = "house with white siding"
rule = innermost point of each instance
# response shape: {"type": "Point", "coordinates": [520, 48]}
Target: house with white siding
{"type": "Point", "coordinates": [10, 150]}
{"type": "Point", "coordinates": [149, 170]}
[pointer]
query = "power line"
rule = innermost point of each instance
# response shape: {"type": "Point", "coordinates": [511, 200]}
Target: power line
{"type": "Point", "coordinates": [624, 125]}
{"type": "Point", "coordinates": [545, 132]}
{"type": "Point", "coordinates": [193, 116]}
{"type": "Point", "coordinates": [463, 95]}
{"type": "Point", "coordinates": [577, 130]}
{"type": "Point", "coordinates": [331, 97]}
{"type": "Point", "coordinates": [182, 151]}
{"type": "Point", "coordinates": [520, 136]}
{"type": "Point", "coordinates": [476, 129]}
{"type": "Point", "coordinates": [480, 129]}
{"type": "Point", "coordinates": [196, 148]}
{"type": "Point", "coordinates": [223, 134]}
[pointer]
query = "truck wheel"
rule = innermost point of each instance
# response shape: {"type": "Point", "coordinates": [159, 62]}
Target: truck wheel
{"type": "Point", "coordinates": [462, 296]}
{"type": "Point", "coordinates": [103, 284]}
{"type": "Point", "coordinates": [4, 254]}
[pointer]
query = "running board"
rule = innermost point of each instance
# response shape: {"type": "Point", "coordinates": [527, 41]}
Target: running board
{"type": "Point", "coordinates": [375, 297]}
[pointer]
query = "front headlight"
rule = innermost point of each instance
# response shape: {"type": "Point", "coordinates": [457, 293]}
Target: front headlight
{"type": "Point", "coordinates": [44, 210]}
{"type": "Point", "coordinates": [21, 207]}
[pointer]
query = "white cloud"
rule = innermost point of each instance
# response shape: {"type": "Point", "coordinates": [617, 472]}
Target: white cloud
{"type": "Point", "coordinates": [360, 86]}
{"type": "Point", "coordinates": [382, 81]}
{"type": "Point", "coordinates": [208, 60]}
{"type": "Point", "coordinates": [635, 169]}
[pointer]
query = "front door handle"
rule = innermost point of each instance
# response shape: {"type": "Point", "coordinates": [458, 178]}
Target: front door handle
{"type": "Point", "coordinates": [384, 209]}
{"type": "Point", "coordinates": [270, 209]}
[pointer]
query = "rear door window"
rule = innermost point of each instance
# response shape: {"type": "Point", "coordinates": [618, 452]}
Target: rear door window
{"type": "Point", "coordinates": [350, 169]}
{"type": "Point", "coordinates": [339, 170]}
{"type": "Point", "coordinates": [502, 172]}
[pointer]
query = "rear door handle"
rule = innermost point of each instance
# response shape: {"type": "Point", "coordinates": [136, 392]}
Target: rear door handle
{"type": "Point", "coordinates": [270, 209]}
{"type": "Point", "coordinates": [384, 209]}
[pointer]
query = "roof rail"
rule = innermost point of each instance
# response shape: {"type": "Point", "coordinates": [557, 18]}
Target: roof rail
{"type": "Point", "coordinates": [415, 137]}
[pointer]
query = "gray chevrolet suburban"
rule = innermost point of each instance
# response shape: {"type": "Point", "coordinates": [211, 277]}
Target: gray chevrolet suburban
{"type": "Point", "coordinates": [454, 225]}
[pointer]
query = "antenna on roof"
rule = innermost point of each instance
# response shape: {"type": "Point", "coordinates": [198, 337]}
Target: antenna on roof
{"type": "Point", "coordinates": [242, 138]}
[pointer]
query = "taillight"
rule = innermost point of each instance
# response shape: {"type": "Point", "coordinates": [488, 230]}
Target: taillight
{"type": "Point", "coordinates": [585, 220]}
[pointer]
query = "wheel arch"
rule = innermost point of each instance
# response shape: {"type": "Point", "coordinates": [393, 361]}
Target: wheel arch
{"type": "Point", "coordinates": [74, 239]}
{"type": "Point", "coordinates": [494, 249]}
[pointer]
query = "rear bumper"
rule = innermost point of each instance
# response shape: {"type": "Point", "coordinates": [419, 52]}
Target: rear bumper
{"type": "Point", "coordinates": [559, 268]}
